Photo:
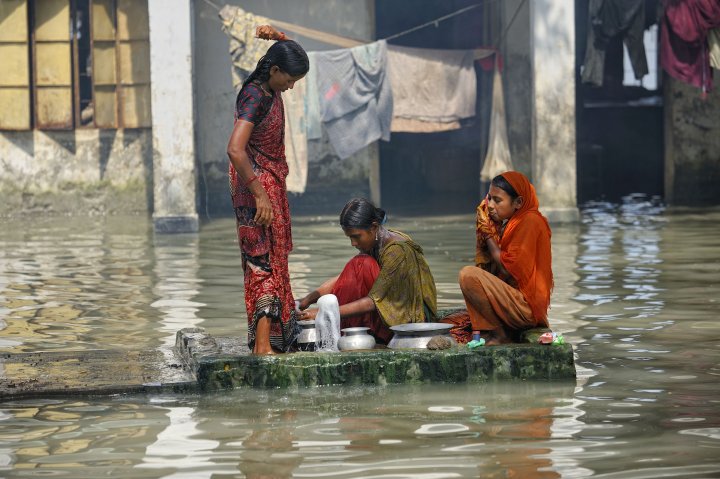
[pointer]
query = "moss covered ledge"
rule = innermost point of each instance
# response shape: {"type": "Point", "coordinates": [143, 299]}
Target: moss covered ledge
{"type": "Point", "coordinates": [225, 363]}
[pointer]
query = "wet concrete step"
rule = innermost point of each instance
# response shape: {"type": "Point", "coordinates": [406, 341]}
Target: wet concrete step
{"type": "Point", "coordinates": [89, 372]}
{"type": "Point", "coordinates": [225, 363]}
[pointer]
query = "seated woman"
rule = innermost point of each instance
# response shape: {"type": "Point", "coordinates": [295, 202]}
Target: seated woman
{"type": "Point", "coordinates": [388, 283]}
{"type": "Point", "coordinates": [509, 288]}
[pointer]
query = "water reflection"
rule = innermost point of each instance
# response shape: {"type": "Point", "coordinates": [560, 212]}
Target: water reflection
{"type": "Point", "coordinates": [495, 430]}
{"type": "Point", "coordinates": [177, 448]}
{"type": "Point", "coordinates": [177, 284]}
{"type": "Point", "coordinates": [635, 268]}
{"type": "Point", "coordinates": [75, 284]}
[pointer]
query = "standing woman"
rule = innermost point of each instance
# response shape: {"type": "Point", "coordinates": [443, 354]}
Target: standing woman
{"type": "Point", "coordinates": [257, 185]}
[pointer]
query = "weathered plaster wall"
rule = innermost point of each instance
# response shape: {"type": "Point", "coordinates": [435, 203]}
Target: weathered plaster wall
{"type": "Point", "coordinates": [75, 172]}
{"type": "Point", "coordinates": [692, 145]}
{"type": "Point", "coordinates": [517, 81]}
{"type": "Point", "coordinates": [330, 180]}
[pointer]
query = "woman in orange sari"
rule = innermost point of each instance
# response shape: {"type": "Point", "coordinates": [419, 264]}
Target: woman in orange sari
{"type": "Point", "coordinates": [509, 288]}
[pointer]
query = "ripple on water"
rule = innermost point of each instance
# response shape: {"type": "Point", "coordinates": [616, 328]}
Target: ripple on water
{"type": "Point", "coordinates": [709, 432]}
{"type": "Point", "coordinates": [440, 429]}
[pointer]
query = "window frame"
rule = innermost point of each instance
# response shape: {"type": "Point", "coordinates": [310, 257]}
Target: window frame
{"type": "Point", "coordinates": [129, 85]}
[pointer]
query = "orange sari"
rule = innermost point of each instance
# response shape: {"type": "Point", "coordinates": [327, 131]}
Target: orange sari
{"type": "Point", "coordinates": [525, 253]}
{"type": "Point", "coordinates": [525, 248]}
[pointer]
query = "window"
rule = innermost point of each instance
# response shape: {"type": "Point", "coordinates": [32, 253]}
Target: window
{"type": "Point", "coordinates": [74, 64]}
{"type": "Point", "coordinates": [15, 70]}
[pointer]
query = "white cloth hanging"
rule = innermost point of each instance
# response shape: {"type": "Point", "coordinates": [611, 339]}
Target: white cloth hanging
{"type": "Point", "coordinates": [497, 159]}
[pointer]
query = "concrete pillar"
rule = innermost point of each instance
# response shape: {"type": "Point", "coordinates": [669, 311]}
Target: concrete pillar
{"type": "Point", "coordinates": [552, 47]}
{"type": "Point", "coordinates": [174, 182]}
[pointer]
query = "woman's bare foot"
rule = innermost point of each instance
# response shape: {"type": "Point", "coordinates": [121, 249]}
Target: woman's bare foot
{"type": "Point", "coordinates": [262, 345]}
{"type": "Point", "coordinates": [496, 337]}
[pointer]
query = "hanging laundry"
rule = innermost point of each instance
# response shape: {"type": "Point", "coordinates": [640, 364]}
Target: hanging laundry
{"type": "Point", "coordinates": [497, 159]}
{"type": "Point", "coordinates": [313, 123]}
{"type": "Point", "coordinates": [442, 91]}
{"type": "Point", "coordinates": [245, 49]}
{"type": "Point", "coordinates": [296, 151]}
{"type": "Point", "coordinates": [684, 51]}
{"type": "Point", "coordinates": [714, 44]}
{"type": "Point", "coordinates": [649, 81]}
{"type": "Point", "coordinates": [606, 20]}
{"type": "Point", "coordinates": [354, 96]}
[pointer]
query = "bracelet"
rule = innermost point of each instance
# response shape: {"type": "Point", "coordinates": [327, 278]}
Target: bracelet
{"type": "Point", "coordinates": [253, 178]}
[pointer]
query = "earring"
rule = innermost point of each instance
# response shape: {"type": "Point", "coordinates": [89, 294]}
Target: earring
{"type": "Point", "coordinates": [376, 236]}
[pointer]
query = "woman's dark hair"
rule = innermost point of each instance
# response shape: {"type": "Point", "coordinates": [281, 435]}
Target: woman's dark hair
{"type": "Point", "coordinates": [360, 213]}
{"type": "Point", "coordinates": [287, 55]}
{"type": "Point", "coordinates": [500, 182]}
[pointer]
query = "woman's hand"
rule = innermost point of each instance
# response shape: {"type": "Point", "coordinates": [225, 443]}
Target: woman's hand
{"type": "Point", "coordinates": [267, 32]}
{"type": "Point", "coordinates": [264, 213]}
{"type": "Point", "coordinates": [311, 298]}
{"type": "Point", "coordinates": [308, 315]}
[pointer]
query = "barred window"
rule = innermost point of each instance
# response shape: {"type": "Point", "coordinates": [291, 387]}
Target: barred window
{"type": "Point", "coordinates": [74, 64]}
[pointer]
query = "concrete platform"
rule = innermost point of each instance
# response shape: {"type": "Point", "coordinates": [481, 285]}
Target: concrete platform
{"type": "Point", "coordinates": [225, 363]}
{"type": "Point", "coordinates": [92, 372]}
{"type": "Point", "coordinates": [200, 362]}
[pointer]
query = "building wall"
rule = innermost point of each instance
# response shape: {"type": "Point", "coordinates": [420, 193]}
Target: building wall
{"type": "Point", "coordinates": [79, 172]}
{"type": "Point", "coordinates": [56, 169]}
{"type": "Point", "coordinates": [330, 180]}
{"type": "Point", "coordinates": [692, 145]}
{"type": "Point", "coordinates": [517, 82]}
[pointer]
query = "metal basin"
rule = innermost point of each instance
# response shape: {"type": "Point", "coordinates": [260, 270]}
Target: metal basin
{"type": "Point", "coordinates": [417, 335]}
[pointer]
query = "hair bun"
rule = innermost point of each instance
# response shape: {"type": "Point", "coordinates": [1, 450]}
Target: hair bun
{"type": "Point", "coordinates": [381, 215]}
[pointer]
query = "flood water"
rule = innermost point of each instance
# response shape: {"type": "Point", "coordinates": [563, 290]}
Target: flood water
{"type": "Point", "coordinates": [637, 292]}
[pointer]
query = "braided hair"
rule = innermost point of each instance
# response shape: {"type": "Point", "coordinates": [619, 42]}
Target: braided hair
{"type": "Point", "coordinates": [287, 55]}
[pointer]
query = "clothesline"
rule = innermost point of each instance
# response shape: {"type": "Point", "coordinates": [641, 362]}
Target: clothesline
{"type": "Point", "coordinates": [346, 42]}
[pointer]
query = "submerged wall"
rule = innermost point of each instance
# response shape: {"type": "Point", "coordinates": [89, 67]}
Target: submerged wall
{"type": "Point", "coordinates": [85, 171]}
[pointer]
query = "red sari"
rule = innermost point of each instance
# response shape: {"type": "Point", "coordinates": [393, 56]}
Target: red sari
{"type": "Point", "coordinates": [355, 282]}
{"type": "Point", "coordinates": [265, 250]}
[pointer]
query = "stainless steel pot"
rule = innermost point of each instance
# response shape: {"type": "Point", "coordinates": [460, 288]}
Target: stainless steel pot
{"type": "Point", "coordinates": [417, 335]}
{"type": "Point", "coordinates": [308, 335]}
{"type": "Point", "coordinates": [355, 338]}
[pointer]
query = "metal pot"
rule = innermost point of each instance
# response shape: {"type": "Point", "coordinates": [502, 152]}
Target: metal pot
{"type": "Point", "coordinates": [307, 336]}
{"type": "Point", "coordinates": [355, 338]}
{"type": "Point", "coordinates": [417, 335]}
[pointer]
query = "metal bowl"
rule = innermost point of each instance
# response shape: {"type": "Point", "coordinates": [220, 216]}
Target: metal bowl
{"type": "Point", "coordinates": [417, 335]}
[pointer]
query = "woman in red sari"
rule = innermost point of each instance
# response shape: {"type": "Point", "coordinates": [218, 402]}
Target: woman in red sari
{"type": "Point", "coordinates": [509, 288]}
{"type": "Point", "coordinates": [257, 185]}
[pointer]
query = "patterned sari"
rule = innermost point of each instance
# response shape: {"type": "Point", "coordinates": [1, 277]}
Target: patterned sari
{"type": "Point", "coordinates": [265, 250]}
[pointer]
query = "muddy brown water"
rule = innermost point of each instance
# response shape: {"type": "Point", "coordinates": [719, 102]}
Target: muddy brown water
{"type": "Point", "coordinates": [637, 293]}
